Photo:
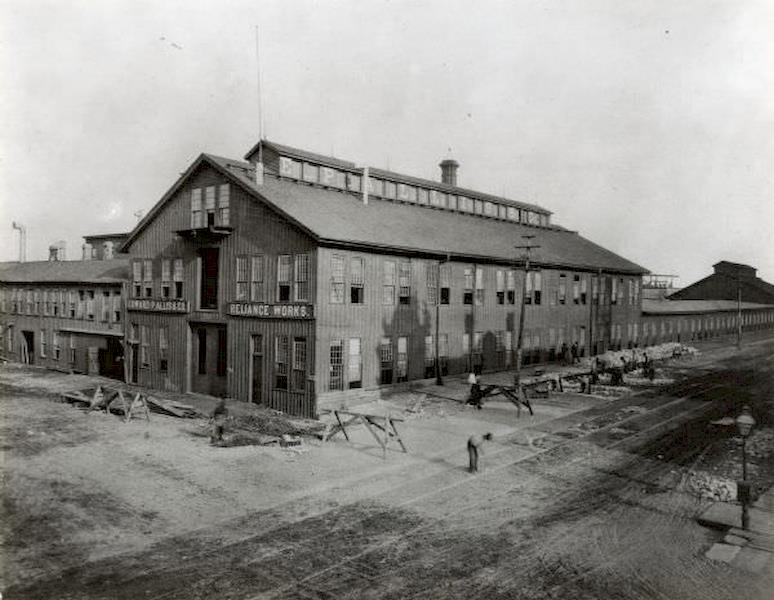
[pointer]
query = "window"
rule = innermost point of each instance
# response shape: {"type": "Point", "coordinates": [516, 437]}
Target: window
{"type": "Point", "coordinates": [163, 348]}
{"type": "Point", "coordinates": [197, 216]}
{"type": "Point", "coordinates": [144, 346]}
{"type": "Point", "coordinates": [467, 293]}
{"type": "Point", "coordinates": [466, 343]}
{"type": "Point", "coordinates": [510, 284]}
{"type": "Point", "coordinates": [576, 289]}
{"type": "Point", "coordinates": [166, 277]}
{"type": "Point", "coordinates": [90, 305]}
{"type": "Point", "coordinates": [385, 360]}
{"type": "Point", "coordinates": [298, 375]}
{"type": "Point", "coordinates": [116, 307]}
{"type": "Point", "coordinates": [353, 182]}
{"type": "Point", "coordinates": [284, 265]}
{"type": "Point", "coordinates": [620, 290]}
{"type": "Point", "coordinates": [106, 306]}
{"type": "Point", "coordinates": [335, 377]}
{"type": "Point", "coordinates": [208, 290]}
{"type": "Point", "coordinates": [479, 287]}
{"type": "Point", "coordinates": [301, 292]}
{"type": "Point", "coordinates": [136, 279]}
{"type": "Point", "coordinates": [636, 292]}
{"type": "Point", "coordinates": [631, 292]}
{"type": "Point", "coordinates": [202, 337]}
{"type": "Point", "coordinates": [42, 343]}
{"type": "Point", "coordinates": [490, 209]}
{"type": "Point", "coordinates": [355, 364]}
{"type": "Point", "coordinates": [614, 290]}
{"type": "Point", "coordinates": [404, 282]}
{"type": "Point", "coordinates": [537, 287]}
{"type": "Point", "coordinates": [431, 277]}
{"type": "Point", "coordinates": [500, 282]}
{"type": "Point", "coordinates": [500, 347]}
{"type": "Point", "coordinates": [422, 196]}
{"type": "Point", "coordinates": [478, 207]}
{"type": "Point", "coordinates": [389, 189]}
{"type": "Point", "coordinates": [513, 214]}
{"type": "Point", "coordinates": [30, 302]}
{"type": "Point", "coordinates": [224, 200]}
{"type": "Point", "coordinates": [602, 290]}
{"type": "Point", "coordinates": [337, 279]}
{"type": "Point", "coordinates": [71, 297]}
{"type": "Point", "coordinates": [584, 290]}
{"type": "Point", "coordinates": [388, 284]}
{"type": "Point", "coordinates": [72, 348]}
{"type": "Point", "coordinates": [178, 277]}
{"type": "Point", "coordinates": [401, 365]}
{"type": "Point", "coordinates": [81, 304]}
{"type": "Point", "coordinates": [562, 288]}
{"type": "Point", "coordinates": [289, 167]}
{"type": "Point", "coordinates": [56, 344]}
{"type": "Point", "coordinates": [45, 302]}
{"type": "Point", "coordinates": [445, 284]}
{"type": "Point", "coordinates": [356, 280]}
{"type": "Point", "coordinates": [311, 173]}
{"type": "Point", "coordinates": [209, 206]}
{"type": "Point", "coordinates": [147, 277]}
{"type": "Point", "coordinates": [281, 362]}
{"type": "Point", "coordinates": [242, 281]}
{"type": "Point", "coordinates": [256, 278]}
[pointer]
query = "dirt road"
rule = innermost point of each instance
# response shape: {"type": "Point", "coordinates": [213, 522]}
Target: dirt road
{"type": "Point", "coordinates": [588, 499]}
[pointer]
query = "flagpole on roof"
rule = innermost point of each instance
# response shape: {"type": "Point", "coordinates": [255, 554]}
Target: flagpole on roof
{"type": "Point", "coordinates": [261, 123]}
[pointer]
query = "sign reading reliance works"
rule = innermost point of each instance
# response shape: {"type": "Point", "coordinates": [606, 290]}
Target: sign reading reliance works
{"type": "Point", "coordinates": [151, 305]}
{"type": "Point", "coordinates": [271, 311]}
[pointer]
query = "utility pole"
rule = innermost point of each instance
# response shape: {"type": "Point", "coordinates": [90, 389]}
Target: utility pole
{"type": "Point", "coordinates": [528, 247]}
{"type": "Point", "coordinates": [438, 378]}
{"type": "Point", "coordinates": [738, 313]}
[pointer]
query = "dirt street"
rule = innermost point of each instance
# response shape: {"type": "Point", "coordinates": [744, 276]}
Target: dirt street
{"type": "Point", "coordinates": [592, 497]}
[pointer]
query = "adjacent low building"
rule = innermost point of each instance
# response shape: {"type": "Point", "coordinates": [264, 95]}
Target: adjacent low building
{"type": "Point", "coordinates": [64, 315]}
{"type": "Point", "coordinates": [292, 277]}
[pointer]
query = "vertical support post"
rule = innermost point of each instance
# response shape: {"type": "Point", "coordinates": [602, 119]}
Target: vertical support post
{"type": "Point", "coordinates": [745, 499]}
{"type": "Point", "coordinates": [738, 313]}
{"type": "Point", "coordinates": [519, 338]}
{"type": "Point", "coordinates": [438, 378]}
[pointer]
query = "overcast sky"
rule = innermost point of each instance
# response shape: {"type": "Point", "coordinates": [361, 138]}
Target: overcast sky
{"type": "Point", "coordinates": [648, 126]}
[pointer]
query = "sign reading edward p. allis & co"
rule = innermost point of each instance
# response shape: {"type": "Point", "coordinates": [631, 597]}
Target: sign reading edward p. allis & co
{"type": "Point", "coordinates": [271, 311]}
{"type": "Point", "coordinates": [151, 305]}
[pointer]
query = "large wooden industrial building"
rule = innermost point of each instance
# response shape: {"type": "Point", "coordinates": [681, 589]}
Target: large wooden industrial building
{"type": "Point", "coordinates": [294, 280]}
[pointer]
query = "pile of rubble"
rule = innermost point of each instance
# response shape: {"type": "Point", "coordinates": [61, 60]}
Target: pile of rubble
{"type": "Point", "coordinates": [612, 358]}
{"type": "Point", "coordinates": [711, 487]}
{"type": "Point", "coordinates": [760, 444]}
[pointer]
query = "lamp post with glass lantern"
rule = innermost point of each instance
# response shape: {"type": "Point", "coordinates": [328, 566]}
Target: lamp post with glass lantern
{"type": "Point", "coordinates": [744, 424]}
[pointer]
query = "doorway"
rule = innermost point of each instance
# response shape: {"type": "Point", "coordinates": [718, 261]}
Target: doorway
{"type": "Point", "coordinates": [257, 366]}
{"type": "Point", "coordinates": [209, 357]}
{"type": "Point", "coordinates": [28, 347]}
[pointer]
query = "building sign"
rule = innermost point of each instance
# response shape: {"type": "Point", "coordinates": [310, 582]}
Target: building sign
{"type": "Point", "coordinates": [152, 305]}
{"type": "Point", "coordinates": [271, 311]}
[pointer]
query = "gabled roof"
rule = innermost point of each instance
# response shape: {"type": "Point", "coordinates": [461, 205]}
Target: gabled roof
{"type": "Point", "coordinates": [391, 175]}
{"type": "Point", "coordinates": [336, 218]}
{"type": "Point", "coordinates": [679, 307]}
{"type": "Point", "coordinates": [66, 271]}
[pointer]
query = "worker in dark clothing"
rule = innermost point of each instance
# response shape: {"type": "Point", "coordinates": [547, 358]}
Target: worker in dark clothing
{"type": "Point", "coordinates": [564, 353]}
{"type": "Point", "coordinates": [574, 353]}
{"type": "Point", "coordinates": [218, 418]}
{"type": "Point", "coordinates": [475, 443]}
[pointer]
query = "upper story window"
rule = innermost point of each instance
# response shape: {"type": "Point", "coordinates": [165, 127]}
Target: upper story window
{"type": "Point", "coordinates": [510, 284]}
{"type": "Point", "coordinates": [136, 278]}
{"type": "Point", "coordinates": [311, 173]}
{"type": "Point", "coordinates": [356, 280]}
{"type": "Point", "coordinates": [284, 282]}
{"type": "Point", "coordinates": [479, 286]}
{"type": "Point", "coordinates": [562, 288]}
{"type": "Point", "coordinates": [256, 278]}
{"type": "Point", "coordinates": [147, 278]}
{"type": "Point", "coordinates": [337, 279]}
{"type": "Point", "coordinates": [452, 205]}
{"type": "Point", "coordinates": [445, 284]}
{"type": "Point", "coordinates": [375, 186]}
{"type": "Point", "coordinates": [490, 209]}
{"type": "Point", "coordinates": [534, 288]}
{"type": "Point", "coordinates": [576, 289]}
{"type": "Point", "coordinates": [431, 277]}
{"type": "Point", "coordinates": [390, 190]}
{"type": "Point", "coordinates": [166, 278]}
{"type": "Point", "coordinates": [301, 291]}
{"type": "Point", "coordinates": [500, 283]}
{"type": "Point", "coordinates": [467, 293]}
{"type": "Point", "coordinates": [404, 282]}
{"type": "Point", "coordinates": [213, 208]}
{"type": "Point", "coordinates": [209, 205]}
{"type": "Point", "coordinates": [354, 182]}
{"type": "Point", "coordinates": [177, 276]}
{"type": "Point", "coordinates": [614, 290]}
{"type": "Point", "coordinates": [388, 283]}
{"type": "Point", "coordinates": [242, 280]}
{"type": "Point", "coordinates": [224, 201]}
{"type": "Point", "coordinates": [478, 207]}
{"type": "Point", "coordinates": [422, 196]}
{"type": "Point", "coordinates": [513, 213]}
{"type": "Point", "coordinates": [197, 216]}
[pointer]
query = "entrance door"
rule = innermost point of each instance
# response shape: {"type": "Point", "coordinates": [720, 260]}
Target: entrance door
{"type": "Point", "coordinates": [209, 350]}
{"type": "Point", "coordinates": [28, 347]}
{"type": "Point", "coordinates": [135, 360]}
{"type": "Point", "coordinates": [257, 350]}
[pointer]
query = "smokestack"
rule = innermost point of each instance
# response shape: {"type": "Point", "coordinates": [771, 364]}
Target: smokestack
{"type": "Point", "coordinates": [22, 240]}
{"type": "Point", "coordinates": [449, 171]}
{"type": "Point", "coordinates": [57, 251]}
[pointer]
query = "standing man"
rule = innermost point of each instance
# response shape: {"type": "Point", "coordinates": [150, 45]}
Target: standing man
{"type": "Point", "coordinates": [475, 444]}
{"type": "Point", "coordinates": [218, 418]}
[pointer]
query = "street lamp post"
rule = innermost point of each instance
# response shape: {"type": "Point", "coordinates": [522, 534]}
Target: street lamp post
{"type": "Point", "coordinates": [744, 424]}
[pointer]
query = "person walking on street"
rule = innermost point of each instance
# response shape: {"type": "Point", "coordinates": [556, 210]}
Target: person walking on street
{"type": "Point", "coordinates": [218, 418]}
{"type": "Point", "coordinates": [475, 444]}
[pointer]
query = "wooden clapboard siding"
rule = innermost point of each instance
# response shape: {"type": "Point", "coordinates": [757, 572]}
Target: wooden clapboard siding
{"type": "Point", "coordinates": [257, 230]}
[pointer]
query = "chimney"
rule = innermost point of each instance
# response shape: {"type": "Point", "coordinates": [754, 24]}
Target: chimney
{"type": "Point", "coordinates": [22, 240]}
{"type": "Point", "coordinates": [56, 251]}
{"type": "Point", "coordinates": [449, 171]}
